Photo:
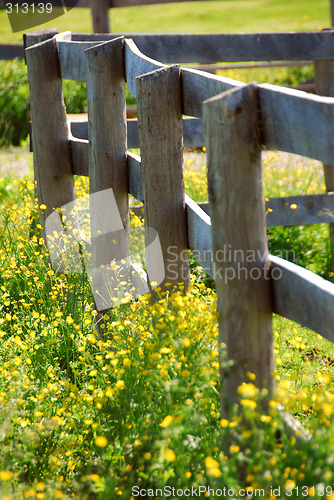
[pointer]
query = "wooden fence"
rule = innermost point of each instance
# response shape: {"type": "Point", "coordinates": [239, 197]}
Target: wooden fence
{"type": "Point", "coordinates": [238, 120]}
{"type": "Point", "coordinates": [316, 47]}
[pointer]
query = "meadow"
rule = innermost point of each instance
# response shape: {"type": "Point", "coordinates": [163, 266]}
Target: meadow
{"type": "Point", "coordinates": [203, 17]}
{"type": "Point", "coordinates": [136, 408]}
{"type": "Point", "coordinates": [92, 416]}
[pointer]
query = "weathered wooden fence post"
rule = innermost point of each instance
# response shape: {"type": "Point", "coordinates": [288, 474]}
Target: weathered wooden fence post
{"type": "Point", "coordinates": [324, 85]}
{"type": "Point", "coordinates": [50, 136]}
{"type": "Point", "coordinates": [100, 9]}
{"type": "Point", "coordinates": [241, 259]}
{"type": "Point", "coordinates": [109, 210]}
{"type": "Point", "coordinates": [38, 36]}
{"type": "Point", "coordinates": [161, 147]}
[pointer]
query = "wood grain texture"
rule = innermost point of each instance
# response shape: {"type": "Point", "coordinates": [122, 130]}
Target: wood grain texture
{"type": "Point", "coordinates": [297, 122]}
{"type": "Point", "coordinates": [198, 86]}
{"type": "Point", "coordinates": [135, 177]}
{"type": "Point", "coordinates": [79, 128]}
{"type": "Point", "coordinates": [160, 134]}
{"type": "Point", "coordinates": [295, 112]}
{"type": "Point", "coordinates": [38, 36]}
{"type": "Point", "coordinates": [193, 136]}
{"type": "Point", "coordinates": [80, 156]}
{"type": "Point", "coordinates": [137, 64]}
{"type": "Point", "coordinates": [324, 84]}
{"type": "Point", "coordinates": [100, 11]}
{"type": "Point", "coordinates": [11, 51]}
{"type": "Point", "coordinates": [300, 122]}
{"type": "Point", "coordinates": [199, 235]}
{"type": "Point", "coordinates": [72, 59]}
{"type": "Point", "coordinates": [240, 252]}
{"type": "Point", "coordinates": [302, 296]}
{"type": "Point", "coordinates": [192, 132]}
{"type": "Point", "coordinates": [107, 161]}
{"type": "Point", "coordinates": [231, 47]}
{"type": "Point", "coordinates": [306, 210]}
{"type": "Point", "coordinates": [52, 156]}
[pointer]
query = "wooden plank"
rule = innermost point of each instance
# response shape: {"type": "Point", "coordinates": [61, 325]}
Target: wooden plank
{"type": "Point", "coordinates": [11, 51]}
{"type": "Point", "coordinates": [160, 133]}
{"type": "Point", "coordinates": [133, 136]}
{"type": "Point", "coordinates": [212, 68]}
{"type": "Point", "coordinates": [192, 131]}
{"type": "Point", "coordinates": [52, 157]}
{"type": "Point", "coordinates": [198, 86]}
{"type": "Point", "coordinates": [240, 252]}
{"type": "Point", "coordinates": [72, 59]}
{"type": "Point", "coordinates": [324, 82]}
{"type": "Point", "coordinates": [108, 173]}
{"type": "Point", "coordinates": [80, 156]}
{"type": "Point", "coordinates": [38, 36]}
{"type": "Point", "coordinates": [307, 210]}
{"type": "Point", "coordinates": [312, 209]}
{"type": "Point", "coordinates": [193, 134]}
{"type": "Point", "coordinates": [137, 64]}
{"type": "Point", "coordinates": [199, 235]}
{"type": "Point", "coordinates": [231, 47]}
{"type": "Point", "coordinates": [79, 128]}
{"type": "Point", "coordinates": [297, 122]}
{"type": "Point", "coordinates": [301, 120]}
{"type": "Point", "coordinates": [302, 296]}
{"type": "Point", "coordinates": [290, 131]}
{"type": "Point", "coordinates": [100, 17]}
{"type": "Point", "coordinates": [135, 177]}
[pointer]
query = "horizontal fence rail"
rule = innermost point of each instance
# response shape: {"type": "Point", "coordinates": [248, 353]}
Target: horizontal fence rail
{"type": "Point", "coordinates": [199, 86]}
{"type": "Point", "coordinates": [235, 122]}
{"type": "Point", "coordinates": [306, 210]}
{"type": "Point", "coordinates": [11, 51]}
{"type": "Point", "coordinates": [205, 48]}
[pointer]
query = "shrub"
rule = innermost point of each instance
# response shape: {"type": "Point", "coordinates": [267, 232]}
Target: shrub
{"type": "Point", "coordinates": [14, 102]}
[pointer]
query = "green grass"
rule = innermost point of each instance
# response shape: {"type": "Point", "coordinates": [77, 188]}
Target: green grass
{"type": "Point", "coordinates": [200, 17]}
{"type": "Point", "coordinates": [88, 416]}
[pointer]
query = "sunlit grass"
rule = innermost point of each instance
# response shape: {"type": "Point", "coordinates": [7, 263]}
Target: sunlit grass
{"type": "Point", "coordinates": [88, 415]}
{"type": "Point", "coordinates": [201, 17]}
{"type": "Point", "coordinates": [84, 414]}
